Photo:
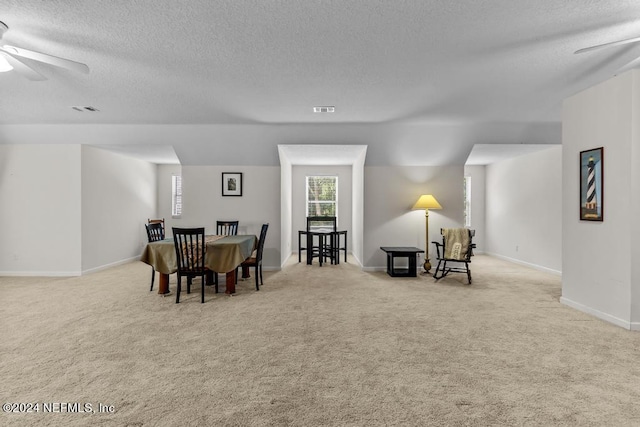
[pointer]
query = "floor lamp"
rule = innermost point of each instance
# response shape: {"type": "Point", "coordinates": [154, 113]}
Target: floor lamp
{"type": "Point", "coordinates": [426, 202]}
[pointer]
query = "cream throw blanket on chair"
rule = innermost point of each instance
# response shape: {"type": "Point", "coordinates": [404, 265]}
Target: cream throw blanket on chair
{"type": "Point", "coordinates": [456, 243]}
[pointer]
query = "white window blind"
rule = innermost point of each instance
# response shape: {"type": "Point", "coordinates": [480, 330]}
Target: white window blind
{"type": "Point", "coordinates": [176, 195]}
{"type": "Point", "coordinates": [467, 201]}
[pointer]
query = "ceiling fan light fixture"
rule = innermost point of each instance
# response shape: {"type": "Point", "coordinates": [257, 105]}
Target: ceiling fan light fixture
{"type": "Point", "coordinates": [4, 64]}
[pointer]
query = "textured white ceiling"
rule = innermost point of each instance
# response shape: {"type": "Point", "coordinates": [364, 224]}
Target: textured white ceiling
{"type": "Point", "coordinates": [235, 62]}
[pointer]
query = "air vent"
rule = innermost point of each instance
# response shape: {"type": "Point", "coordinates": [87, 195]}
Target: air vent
{"type": "Point", "coordinates": [327, 109]}
{"type": "Point", "coordinates": [90, 109]}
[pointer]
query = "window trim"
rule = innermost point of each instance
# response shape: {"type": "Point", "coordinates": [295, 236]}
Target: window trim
{"type": "Point", "coordinates": [176, 193]}
{"type": "Point", "coordinates": [306, 193]}
{"type": "Point", "coordinates": [467, 201]}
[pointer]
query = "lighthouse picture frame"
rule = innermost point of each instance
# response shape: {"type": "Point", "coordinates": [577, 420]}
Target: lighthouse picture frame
{"type": "Point", "coordinates": [591, 185]}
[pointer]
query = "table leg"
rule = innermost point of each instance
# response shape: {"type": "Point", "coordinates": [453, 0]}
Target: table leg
{"type": "Point", "coordinates": [231, 282]}
{"type": "Point", "coordinates": [163, 287]}
{"type": "Point", "coordinates": [210, 278]}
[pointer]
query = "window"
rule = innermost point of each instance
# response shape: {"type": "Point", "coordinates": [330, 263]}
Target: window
{"type": "Point", "coordinates": [467, 201]}
{"type": "Point", "coordinates": [322, 196]}
{"type": "Point", "coordinates": [176, 196]}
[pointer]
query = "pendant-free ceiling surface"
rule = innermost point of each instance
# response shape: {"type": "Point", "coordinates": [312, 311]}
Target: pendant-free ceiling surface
{"type": "Point", "coordinates": [235, 62]}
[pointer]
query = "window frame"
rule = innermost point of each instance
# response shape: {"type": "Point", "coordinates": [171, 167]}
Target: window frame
{"type": "Point", "coordinates": [306, 194]}
{"type": "Point", "coordinates": [176, 196]}
{"type": "Point", "coordinates": [467, 201]}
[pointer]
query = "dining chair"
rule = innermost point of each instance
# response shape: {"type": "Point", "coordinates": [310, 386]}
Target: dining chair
{"type": "Point", "coordinates": [155, 232]}
{"type": "Point", "coordinates": [255, 260]}
{"type": "Point", "coordinates": [227, 228]}
{"type": "Point", "coordinates": [157, 221]}
{"type": "Point", "coordinates": [190, 247]}
{"type": "Point", "coordinates": [322, 227]}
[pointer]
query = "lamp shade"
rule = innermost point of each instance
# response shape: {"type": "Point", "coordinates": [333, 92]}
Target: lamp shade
{"type": "Point", "coordinates": [427, 201]}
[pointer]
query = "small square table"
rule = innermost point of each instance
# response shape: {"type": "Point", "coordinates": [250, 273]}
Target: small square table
{"type": "Point", "coordinates": [408, 252]}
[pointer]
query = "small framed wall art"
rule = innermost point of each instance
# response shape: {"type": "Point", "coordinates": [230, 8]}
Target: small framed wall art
{"type": "Point", "coordinates": [231, 183]}
{"type": "Point", "coordinates": [591, 185]}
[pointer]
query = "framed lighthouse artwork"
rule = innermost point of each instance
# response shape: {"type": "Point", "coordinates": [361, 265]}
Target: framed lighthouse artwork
{"type": "Point", "coordinates": [591, 188]}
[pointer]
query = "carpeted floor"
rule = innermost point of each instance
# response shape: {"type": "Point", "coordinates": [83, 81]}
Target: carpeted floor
{"type": "Point", "coordinates": [330, 346]}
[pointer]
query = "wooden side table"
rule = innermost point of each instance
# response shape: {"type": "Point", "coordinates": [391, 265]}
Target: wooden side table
{"type": "Point", "coordinates": [408, 252]}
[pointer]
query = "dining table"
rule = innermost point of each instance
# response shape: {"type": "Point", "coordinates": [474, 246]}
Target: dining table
{"type": "Point", "coordinates": [223, 254]}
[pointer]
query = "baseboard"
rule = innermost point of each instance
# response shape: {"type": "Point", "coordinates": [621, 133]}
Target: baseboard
{"type": "Point", "coordinates": [352, 259]}
{"type": "Point", "coordinates": [355, 260]}
{"type": "Point", "coordinates": [527, 264]}
{"type": "Point", "coordinates": [40, 273]}
{"type": "Point", "coordinates": [373, 269]}
{"type": "Point", "coordinates": [600, 315]}
{"type": "Point", "coordinates": [113, 264]}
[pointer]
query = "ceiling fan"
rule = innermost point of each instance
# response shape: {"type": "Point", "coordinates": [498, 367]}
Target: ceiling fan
{"type": "Point", "coordinates": [14, 60]}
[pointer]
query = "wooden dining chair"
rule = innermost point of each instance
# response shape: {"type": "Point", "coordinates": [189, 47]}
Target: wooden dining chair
{"type": "Point", "coordinates": [155, 232]}
{"type": "Point", "coordinates": [157, 221]}
{"type": "Point", "coordinates": [190, 249]}
{"type": "Point", "coordinates": [325, 248]}
{"type": "Point", "coordinates": [255, 260]}
{"type": "Point", "coordinates": [225, 228]}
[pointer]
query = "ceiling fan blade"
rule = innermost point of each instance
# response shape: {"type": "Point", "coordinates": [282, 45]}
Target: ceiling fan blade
{"type": "Point", "coordinates": [47, 59]}
{"type": "Point", "coordinates": [600, 46]}
{"type": "Point", "coordinates": [23, 69]}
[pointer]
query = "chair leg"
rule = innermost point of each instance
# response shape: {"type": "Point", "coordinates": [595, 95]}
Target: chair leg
{"type": "Point", "coordinates": [466, 264]}
{"type": "Point", "coordinates": [261, 281]}
{"type": "Point", "coordinates": [179, 289]}
{"type": "Point", "coordinates": [189, 280]}
{"type": "Point", "coordinates": [255, 273]}
{"type": "Point", "coordinates": [202, 288]}
{"type": "Point", "coordinates": [438, 269]}
{"type": "Point", "coordinates": [153, 276]}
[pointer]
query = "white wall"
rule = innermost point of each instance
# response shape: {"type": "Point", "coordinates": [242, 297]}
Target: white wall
{"type": "Point", "coordinates": [203, 203]}
{"type": "Point", "coordinates": [345, 200]}
{"type": "Point", "coordinates": [391, 192]}
{"type": "Point", "coordinates": [524, 209]}
{"type": "Point", "coordinates": [478, 208]}
{"type": "Point", "coordinates": [118, 196]}
{"type": "Point", "coordinates": [598, 276]}
{"type": "Point", "coordinates": [40, 210]}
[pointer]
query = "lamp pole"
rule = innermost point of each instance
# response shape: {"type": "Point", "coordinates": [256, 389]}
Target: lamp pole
{"type": "Point", "coordinates": [427, 264]}
{"type": "Point", "coordinates": [426, 202]}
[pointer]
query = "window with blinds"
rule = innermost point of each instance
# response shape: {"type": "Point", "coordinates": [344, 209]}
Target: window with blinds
{"type": "Point", "coordinates": [467, 201]}
{"type": "Point", "coordinates": [322, 196]}
{"type": "Point", "coordinates": [176, 196]}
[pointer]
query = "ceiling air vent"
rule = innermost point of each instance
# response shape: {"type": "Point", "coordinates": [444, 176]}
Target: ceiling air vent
{"type": "Point", "coordinates": [81, 109]}
{"type": "Point", "coordinates": [328, 109]}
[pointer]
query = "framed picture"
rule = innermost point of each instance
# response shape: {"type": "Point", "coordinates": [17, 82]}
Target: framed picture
{"type": "Point", "coordinates": [231, 183]}
{"type": "Point", "coordinates": [591, 185]}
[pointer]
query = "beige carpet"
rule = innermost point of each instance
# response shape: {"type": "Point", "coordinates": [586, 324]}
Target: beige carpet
{"type": "Point", "coordinates": [330, 346]}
